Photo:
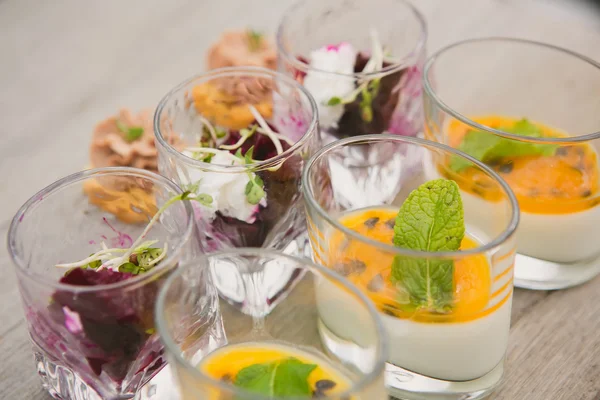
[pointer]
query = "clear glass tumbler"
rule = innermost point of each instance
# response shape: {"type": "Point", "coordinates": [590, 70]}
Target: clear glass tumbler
{"type": "Point", "coordinates": [210, 342]}
{"type": "Point", "coordinates": [362, 67]}
{"type": "Point", "coordinates": [225, 102]}
{"type": "Point", "coordinates": [529, 111]}
{"type": "Point", "coordinates": [93, 333]}
{"type": "Point", "coordinates": [450, 349]}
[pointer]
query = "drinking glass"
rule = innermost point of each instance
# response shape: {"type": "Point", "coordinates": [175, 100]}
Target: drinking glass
{"type": "Point", "coordinates": [362, 67]}
{"type": "Point", "coordinates": [535, 122]}
{"type": "Point", "coordinates": [95, 339]}
{"type": "Point", "coordinates": [278, 220]}
{"type": "Point", "coordinates": [456, 352]}
{"type": "Point", "coordinates": [194, 324]}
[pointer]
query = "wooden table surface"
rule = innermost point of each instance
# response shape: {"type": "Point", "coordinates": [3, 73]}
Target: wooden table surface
{"type": "Point", "coordinates": [66, 64]}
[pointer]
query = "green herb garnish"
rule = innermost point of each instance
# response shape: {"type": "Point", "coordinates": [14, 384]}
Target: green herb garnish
{"type": "Point", "coordinates": [254, 40]}
{"type": "Point", "coordinates": [431, 219]}
{"type": "Point", "coordinates": [93, 264]}
{"type": "Point", "coordinates": [284, 378]}
{"type": "Point", "coordinates": [488, 148]}
{"type": "Point", "coordinates": [140, 257]}
{"type": "Point", "coordinates": [254, 188]}
{"type": "Point", "coordinates": [131, 132]}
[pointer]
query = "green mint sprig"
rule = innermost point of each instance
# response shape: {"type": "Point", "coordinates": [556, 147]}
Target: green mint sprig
{"type": "Point", "coordinates": [488, 148]}
{"type": "Point", "coordinates": [431, 219]}
{"type": "Point", "coordinates": [131, 132]}
{"type": "Point", "coordinates": [283, 378]}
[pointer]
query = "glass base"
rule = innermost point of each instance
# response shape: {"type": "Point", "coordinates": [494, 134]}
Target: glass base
{"type": "Point", "coordinates": [536, 274]}
{"type": "Point", "coordinates": [63, 384]}
{"type": "Point", "coordinates": [403, 384]}
{"type": "Point", "coordinates": [407, 385]}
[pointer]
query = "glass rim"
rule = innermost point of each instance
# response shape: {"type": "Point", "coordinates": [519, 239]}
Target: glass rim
{"type": "Point", "coordinates": [224, 72]}
{"type": "Point", "coordinates": [307, 264]}
{"type": "Point", "coordinates": [405, 62]}
{"type": "Point", "coordinates": [431, 92]}
{"type": "Point", "coordinates": [506, 234]}
{"type": "Point", "coordinates": [81, 176]}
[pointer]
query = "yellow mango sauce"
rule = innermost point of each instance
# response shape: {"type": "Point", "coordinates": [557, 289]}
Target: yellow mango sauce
{"type": "Point", "coordinates": [562, 183]}
{"type": "Point", "coordinates": [472, 275]}
{"type": "Point", "coordinates": [226, 362]}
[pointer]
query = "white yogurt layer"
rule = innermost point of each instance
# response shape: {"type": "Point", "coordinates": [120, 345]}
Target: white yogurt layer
{"type": "Point", "coordinates": [226, 189]}
{"type": "Point", "coordinates": [562, 238]}
{"type": "Point", "coordinates": [325, 85]}
{"type": "Point", "coordinates": [453, 351]}
{"type": "Point", "coordinates": [460, 351]}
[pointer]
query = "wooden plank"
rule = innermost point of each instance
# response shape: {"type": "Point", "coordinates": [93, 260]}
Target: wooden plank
{"type": "Point", "coordinates": [554, 350]}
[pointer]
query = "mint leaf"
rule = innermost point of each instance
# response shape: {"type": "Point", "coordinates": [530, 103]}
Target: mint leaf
{"type": "Point", "coordinates": [431, 219]}
{"type": "Point", "coordinates": [282, 378]}
{"type": "Point", "coordinates": [488, 147]}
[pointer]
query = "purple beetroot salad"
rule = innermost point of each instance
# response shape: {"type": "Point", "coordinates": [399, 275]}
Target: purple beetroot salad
{"type": "Point", "coordinates": [261, 201]}
{"type": "Point", "coordinates": [107, 335]}
{"type": "Point", "coordinates": [351, 105]}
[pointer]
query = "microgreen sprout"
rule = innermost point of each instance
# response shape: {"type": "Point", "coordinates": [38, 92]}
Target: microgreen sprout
{"type": "Point", "coordinates": [245, 134]}
{"type": "Point", "coordinates": [131, 132]}
{"type": "Point", "coordinates": [254, 40]}
{"type": "Point", "coordinates": [140, 256]}
{"type": "Point", "coordinates": [254, 191]}
{"type": "Point", "coordinates": [266, 129]}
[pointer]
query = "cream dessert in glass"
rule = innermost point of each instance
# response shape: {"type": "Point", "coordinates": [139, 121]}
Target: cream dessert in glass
{"type": "Point", "coordinates": [536, 124]}
{"type": "Point", "coordinates": [254, 351]}
{"type": "Point", "coordinates": [440, 275]}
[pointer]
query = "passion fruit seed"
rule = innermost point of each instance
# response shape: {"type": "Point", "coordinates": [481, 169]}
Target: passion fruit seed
{"type": "Point", "coordinates": [371, 222]}
{"type": "Point", "coordinates": [376, 284]}
{"type": "Point", "coordinates": [325, 384]}
{"type": "Point", "coordinates": [350, 267]}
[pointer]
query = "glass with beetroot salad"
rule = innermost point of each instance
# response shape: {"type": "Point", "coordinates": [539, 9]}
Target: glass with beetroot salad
{"type": "Point", "coordinates": [362, 62]}
{"type": "Point", "coordinates": [91, 252]}
{"type": "Point", "coordinates": [246, 133]}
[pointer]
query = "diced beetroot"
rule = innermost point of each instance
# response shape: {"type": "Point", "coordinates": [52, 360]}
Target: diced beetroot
{"type": "Point", "coordinates": [92, 277]}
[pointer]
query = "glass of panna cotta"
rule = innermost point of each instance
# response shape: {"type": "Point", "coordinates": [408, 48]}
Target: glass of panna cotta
{"type": "Point", "coordinates": [91, 252]}
{"type": "Point", "coordinates": [439, 273]}
{"type": "Point", "coordinates": [362, 67]}
{"type": "Point", "coordinates": [530, 112]}
{"type": "Point", "coordinates": [220, 350]}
